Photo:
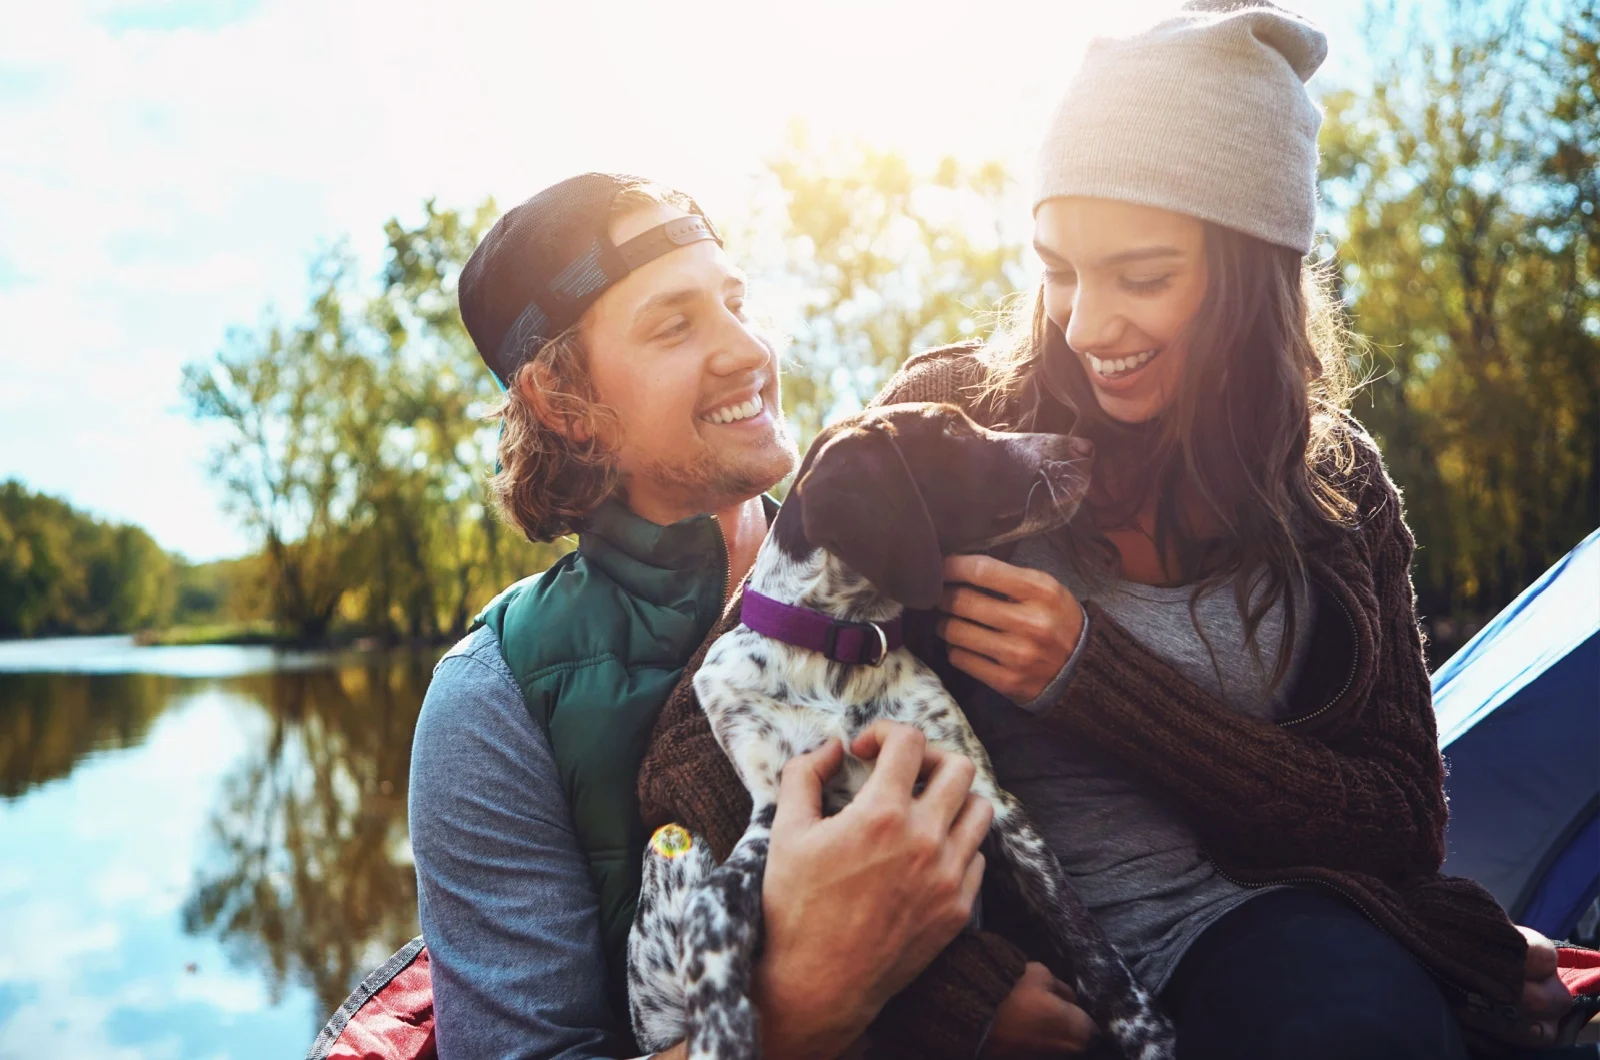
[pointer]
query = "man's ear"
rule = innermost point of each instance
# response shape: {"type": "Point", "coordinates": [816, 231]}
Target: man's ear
{"type": "Point", "coordinates": [536, 384]}
{"type": "Point", "coordinates": [858, 501]}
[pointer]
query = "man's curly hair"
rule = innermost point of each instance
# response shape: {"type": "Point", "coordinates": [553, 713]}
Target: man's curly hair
{"type": "Point", "coordinates": [556, 466]}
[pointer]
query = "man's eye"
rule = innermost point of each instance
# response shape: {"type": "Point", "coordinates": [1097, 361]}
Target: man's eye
{"type": "Point", "coordinates": [1150, 286]}
{"type": "Point", "coordinates": [675, 328]}
{"type": "Point", "coordinates": [736, 307]}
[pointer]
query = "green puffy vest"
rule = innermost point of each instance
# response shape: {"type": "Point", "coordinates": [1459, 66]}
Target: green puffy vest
{"type": "Point", "coordinates": [596, 644]}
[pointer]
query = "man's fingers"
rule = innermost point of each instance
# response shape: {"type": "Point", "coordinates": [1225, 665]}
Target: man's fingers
{"type": "Point", "coordinates": [800, 784]}
{"type": "Point", "coordinates": [972, 882]}
{"type": "Point", "coordinates": [900, 751]}
{"type": "Point", "coordinates": [972, 823]}
{"type": "Point", "coordinates": [947, 784]}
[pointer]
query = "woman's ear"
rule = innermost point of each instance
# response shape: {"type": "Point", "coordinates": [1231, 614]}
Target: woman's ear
{"type": "Point", "coordinates": [536, 384]}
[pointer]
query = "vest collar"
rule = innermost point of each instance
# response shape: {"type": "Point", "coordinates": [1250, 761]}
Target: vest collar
{"type": "Point", "coordinates": [652, 561]}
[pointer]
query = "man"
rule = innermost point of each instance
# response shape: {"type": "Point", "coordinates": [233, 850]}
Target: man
{"type": "Point", "coordinates": [641, 411]}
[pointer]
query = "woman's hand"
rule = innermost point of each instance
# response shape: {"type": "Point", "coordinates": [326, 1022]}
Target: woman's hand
{"type": "Point", "coordinates": [1040, 1015]}
{"type": "Point", "coordinates": [892, 876]}
{"type": "Point", "coordinates": [1545, 1000]}
{"type": "Point", "coordinates": [1015, 643]}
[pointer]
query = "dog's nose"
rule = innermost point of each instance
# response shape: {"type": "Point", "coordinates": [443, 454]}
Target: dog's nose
{"type": "Point", "coordinates": [1081, 448]}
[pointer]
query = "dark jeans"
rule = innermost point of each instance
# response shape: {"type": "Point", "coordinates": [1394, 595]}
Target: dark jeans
{"type": "Point", "coordinates": [1300, 975]}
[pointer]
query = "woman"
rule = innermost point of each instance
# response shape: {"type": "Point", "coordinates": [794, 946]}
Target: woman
{"type": "Point", "coordinates": [1215, 698]}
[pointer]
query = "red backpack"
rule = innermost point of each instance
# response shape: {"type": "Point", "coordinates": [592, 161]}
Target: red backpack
{"type": "Point", "coordinates": [388, 1017]}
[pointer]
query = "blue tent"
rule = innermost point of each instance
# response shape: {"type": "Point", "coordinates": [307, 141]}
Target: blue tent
{"type": "Point", "coordinates": [1519, 725]}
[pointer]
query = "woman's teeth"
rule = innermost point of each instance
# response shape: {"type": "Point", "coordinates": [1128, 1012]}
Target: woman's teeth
{"type": "Point", "coordinates": [735, 413]}
{"type": "Point", "coordinates": [1118, 365]}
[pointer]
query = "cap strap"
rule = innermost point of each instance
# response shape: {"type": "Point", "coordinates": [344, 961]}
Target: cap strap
{"type": "Point", "coordinates": [678, 232]}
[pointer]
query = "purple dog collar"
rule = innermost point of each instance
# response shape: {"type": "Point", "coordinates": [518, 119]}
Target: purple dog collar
{"type": "Point", "coordinates": [853, 643]}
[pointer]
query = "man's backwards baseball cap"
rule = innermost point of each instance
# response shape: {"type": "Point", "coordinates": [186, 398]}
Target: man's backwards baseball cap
{"type": "Point", "coordinates": [545, 262]}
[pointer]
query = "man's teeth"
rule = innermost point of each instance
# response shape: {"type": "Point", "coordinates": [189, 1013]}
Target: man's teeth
{"type": "Point", "coordinates": [735, 413]}
{"type": "Point", "coordinates": [1114, 365]}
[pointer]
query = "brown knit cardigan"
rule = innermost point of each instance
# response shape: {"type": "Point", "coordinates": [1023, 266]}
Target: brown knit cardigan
{"type": "Point", "coordinates": [1348, 795]}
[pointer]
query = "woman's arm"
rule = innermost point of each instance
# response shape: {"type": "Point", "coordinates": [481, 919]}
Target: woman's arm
{"type": "Point", "coordinates": [1368, 796]}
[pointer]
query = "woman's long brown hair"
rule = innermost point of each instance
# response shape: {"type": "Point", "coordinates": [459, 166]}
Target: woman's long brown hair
{"type": "Point", "coordinates": [1254, 433]}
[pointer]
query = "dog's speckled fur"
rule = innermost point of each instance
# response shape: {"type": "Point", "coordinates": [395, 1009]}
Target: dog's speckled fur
{"type": "Point", "coordinates": [697, 929]}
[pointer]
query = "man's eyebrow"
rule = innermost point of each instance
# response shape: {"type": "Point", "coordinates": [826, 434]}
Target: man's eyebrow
{"type": "Point", "coordinates": [665, 300]}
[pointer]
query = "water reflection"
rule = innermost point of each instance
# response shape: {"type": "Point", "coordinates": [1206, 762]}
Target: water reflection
{"type": "Point", "coordinates": [200, 865]}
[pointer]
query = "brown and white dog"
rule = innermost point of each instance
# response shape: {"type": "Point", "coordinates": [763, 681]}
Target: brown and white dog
{"type": "Point", "coordinates": [881, 498]}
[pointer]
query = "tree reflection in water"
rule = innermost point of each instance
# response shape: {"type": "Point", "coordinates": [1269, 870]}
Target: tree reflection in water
{"type": "Point", "coordinates": [50, 721]}
{"type": "Point", "coordinates": [310, 876]}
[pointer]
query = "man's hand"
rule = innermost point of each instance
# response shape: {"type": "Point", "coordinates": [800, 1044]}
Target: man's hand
{"type": "Point", "coordinates": [1017, 642]}
{"type": "Point", "coordinates": [856, 905]}
{"type": "Point", "coordinates": [1040, 1015]}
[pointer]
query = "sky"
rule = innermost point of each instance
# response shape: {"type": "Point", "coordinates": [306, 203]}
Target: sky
{"type": "Point", "coordinates": [169, 168]}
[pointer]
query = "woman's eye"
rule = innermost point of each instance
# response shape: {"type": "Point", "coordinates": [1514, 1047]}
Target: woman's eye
{"type": "Point", "coordinates": [1060, 276]}
{"type": "Point", "coordinates": [736, 307]}
{"type": "Point", "coordinates": [1150, 286]}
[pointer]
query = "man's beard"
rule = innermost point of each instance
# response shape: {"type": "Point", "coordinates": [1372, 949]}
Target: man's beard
{"type": "Point", "coordinates": [714, 480]}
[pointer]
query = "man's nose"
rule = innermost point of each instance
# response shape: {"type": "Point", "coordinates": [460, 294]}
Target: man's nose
{"type": "Point", "coordinates": [739, 350]}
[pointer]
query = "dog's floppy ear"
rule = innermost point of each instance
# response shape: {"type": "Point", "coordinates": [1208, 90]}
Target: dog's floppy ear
{"type": "Point", "coordinates": [859, 501]}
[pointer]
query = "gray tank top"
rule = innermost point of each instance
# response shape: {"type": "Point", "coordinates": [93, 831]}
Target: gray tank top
{"type": "Point", "coordinates": [1135, 862]}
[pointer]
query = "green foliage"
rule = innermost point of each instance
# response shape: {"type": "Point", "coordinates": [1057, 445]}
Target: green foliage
{"type": "Point", "coordinates": [883, 259]}
{"type": "Point", "coordinates": [1464, 181]}
{"type": "Point", "coordinates": [62, 571]}
{"type": "Point", "coordinates": [352, 448]}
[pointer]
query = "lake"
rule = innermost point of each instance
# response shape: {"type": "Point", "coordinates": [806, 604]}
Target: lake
{"type": "Point", "coordinates": [202, 849]}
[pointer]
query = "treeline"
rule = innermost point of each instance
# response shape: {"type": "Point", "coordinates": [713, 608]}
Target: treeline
{"type": "Point", "coordinates": [63, 571]}
{"type": "Point", "coordinates": [1464, 222]}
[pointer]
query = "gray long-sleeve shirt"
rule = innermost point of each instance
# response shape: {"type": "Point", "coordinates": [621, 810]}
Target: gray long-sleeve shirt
{"type": "Point", "coordinates": [504, 894]}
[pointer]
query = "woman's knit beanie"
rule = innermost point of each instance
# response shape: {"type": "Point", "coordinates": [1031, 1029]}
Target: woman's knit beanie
{"type": "Point", "coordinates": [1204, 113]}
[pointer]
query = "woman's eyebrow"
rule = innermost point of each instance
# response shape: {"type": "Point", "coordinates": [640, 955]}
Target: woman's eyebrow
{"type": "Point", "coordinates": [1138, 254]}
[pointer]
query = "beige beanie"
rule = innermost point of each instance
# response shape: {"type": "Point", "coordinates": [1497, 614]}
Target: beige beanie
{"type": "Point", "coordinates": [1205, 113]}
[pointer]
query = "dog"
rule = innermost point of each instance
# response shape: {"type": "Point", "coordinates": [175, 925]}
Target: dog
{"type": "Point", "coordinates": [879, 501]}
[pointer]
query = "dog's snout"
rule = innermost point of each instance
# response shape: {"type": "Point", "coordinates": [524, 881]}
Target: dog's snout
{"type": "Point", "coordinates": [1080, 448]}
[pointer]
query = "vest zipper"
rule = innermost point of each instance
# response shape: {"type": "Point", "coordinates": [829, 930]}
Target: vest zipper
{"type": "Point", "coordinates": [727, 561]}
{"type": "Point", "coordinates": [1472, 999]}
{"type": "Point", "coordinates": [1349, 678]}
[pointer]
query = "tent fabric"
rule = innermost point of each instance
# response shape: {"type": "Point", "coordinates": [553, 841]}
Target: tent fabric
{"type": "Point", "coordinates": [1519, 725]}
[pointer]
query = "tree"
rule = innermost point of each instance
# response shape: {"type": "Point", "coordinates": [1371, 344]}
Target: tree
{"type": "Point", "coordinates": [881, 259]}
{"type": "Point", "coordinates": [1464, 189]}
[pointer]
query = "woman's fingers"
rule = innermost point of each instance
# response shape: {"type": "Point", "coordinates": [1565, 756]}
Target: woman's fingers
{"type": "Point", "coordinates": [1542, 959]}
{"type": "Point", "coordinates": [1001, 647]}
{"type": "Point", "coordinates": [1001, 679]}
{"type": "Point", "coordinates": [1019, 583]}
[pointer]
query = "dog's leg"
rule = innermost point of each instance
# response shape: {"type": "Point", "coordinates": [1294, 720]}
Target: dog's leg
{"type": "Point", "coordinates": [675, 862]}
{"type": "Point", "coordinates": [1106, 987]}
{"type": "Point", "coordinates": [1084, 956]}
{"type": "Point", "coordinates": [721, 933]}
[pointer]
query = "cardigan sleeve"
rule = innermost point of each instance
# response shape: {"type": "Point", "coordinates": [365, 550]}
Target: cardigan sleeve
{"type": "Point", "coordinates": [1366, 794]}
